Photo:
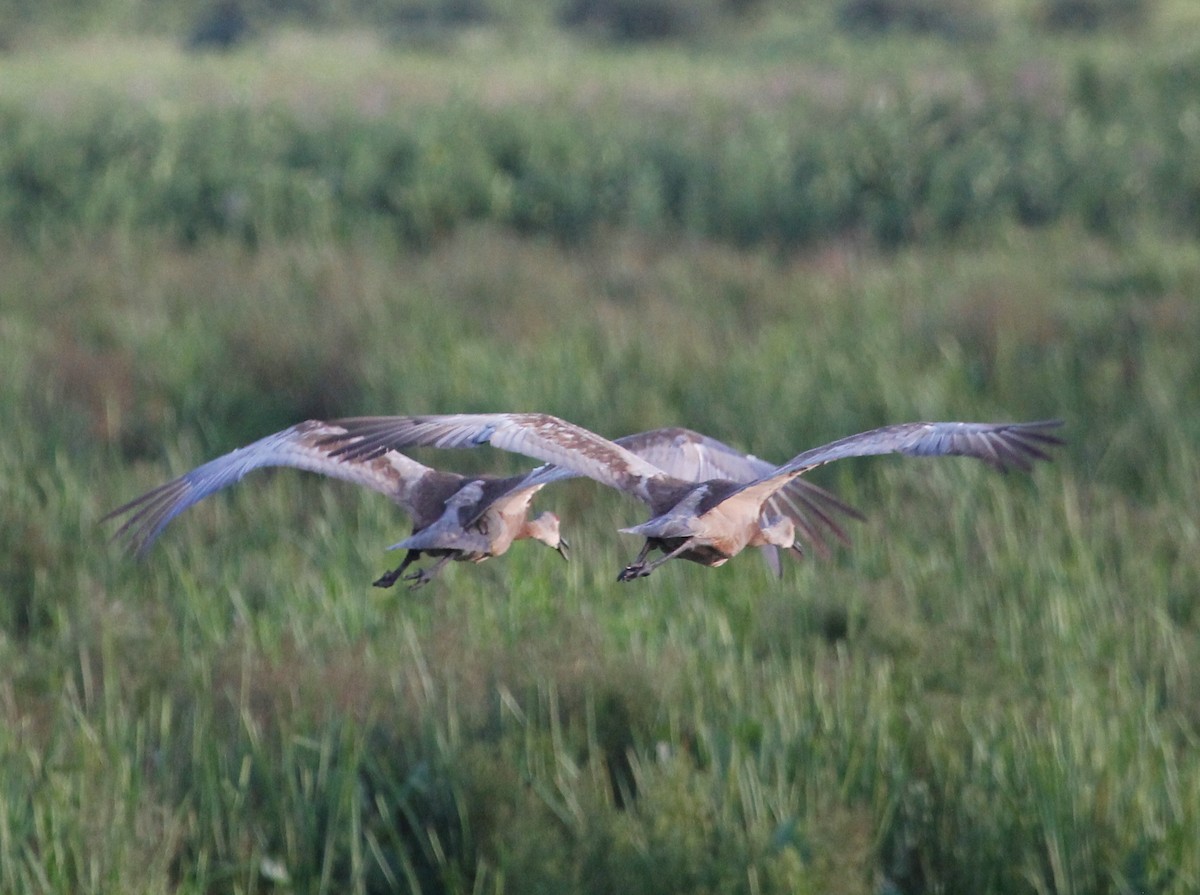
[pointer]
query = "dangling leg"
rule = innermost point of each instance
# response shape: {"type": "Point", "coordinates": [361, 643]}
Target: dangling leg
{"type": "Point", "coordinates": [421, 577]}
{"type": "Point", "coordinates": [632, 570]}
{"type": "Point", "coordinates": [394, 575]}
{"type": "Point", "coordinates": [640, 569]}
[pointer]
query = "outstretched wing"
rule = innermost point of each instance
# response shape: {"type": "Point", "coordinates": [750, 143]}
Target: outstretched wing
{"type": "Point", "coordinates": [1002, 446]}
{"type": "Point", "coordinates": [538, 435]}
{"type": "Point", "coordinates": [300, 446]}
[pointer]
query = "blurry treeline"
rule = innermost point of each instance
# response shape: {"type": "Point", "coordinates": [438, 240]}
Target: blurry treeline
{"type": "Point", "coordinates": [222, 23]}
{"type": "Point", "coordinates": [1107, 149]}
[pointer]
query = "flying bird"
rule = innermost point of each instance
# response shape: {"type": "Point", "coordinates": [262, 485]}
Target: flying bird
{"type": "Point", "coordinates": [455, 517]}
{"type": "Point", "coordinates": [706, 522]}
{"type": "Point", "coordinates": [694, 457]}
{"type": "Point", "coordinates": [463, 518]}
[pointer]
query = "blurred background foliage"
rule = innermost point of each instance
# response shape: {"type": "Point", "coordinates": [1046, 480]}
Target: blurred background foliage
{"type": "Point", "coordinates": [784, 152]}
{"type": "Point", "coordinates": [223, 23]}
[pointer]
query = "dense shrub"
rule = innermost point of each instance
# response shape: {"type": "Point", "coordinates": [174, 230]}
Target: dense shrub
{"type": "Point", "coordinates": [1092, 15]}
{"type": "Point", "coordinates": [217, 24]}
{"type": "Point", "coordinates": [952, 19]}
{"type": "Point", "coordinates": [910, 168]}
{"type": "Point", "coordinates": [643, 20]}
{"type": "Point", "coordinates": [632, 20]}
{"type": "Point", "coordinates": [220, 27]}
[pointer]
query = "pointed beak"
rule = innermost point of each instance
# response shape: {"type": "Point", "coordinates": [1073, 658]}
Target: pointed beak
{"type": "Point", "coordinates": [563, 549]}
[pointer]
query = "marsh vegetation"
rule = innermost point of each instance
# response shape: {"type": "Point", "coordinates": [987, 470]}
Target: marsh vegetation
{"type": "Point", "coordinates": [777, 229]}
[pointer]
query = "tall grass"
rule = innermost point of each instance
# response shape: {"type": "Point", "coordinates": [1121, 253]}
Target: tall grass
{"type": "Point", "coordinates": [993, 690]}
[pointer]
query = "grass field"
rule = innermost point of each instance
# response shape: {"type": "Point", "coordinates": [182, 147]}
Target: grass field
{"type": "Point", "coordinates": [995, 689]}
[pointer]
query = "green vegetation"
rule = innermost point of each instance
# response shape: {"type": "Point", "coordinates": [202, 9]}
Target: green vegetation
{"type": "Point", "coordinates": [803, 233]}
{"type": "Point", "coordinates": [1103, 149]}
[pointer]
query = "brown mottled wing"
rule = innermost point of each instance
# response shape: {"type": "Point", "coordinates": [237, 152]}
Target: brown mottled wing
{"type": "Point", "coordinates": [538, 435]}
{"type": "Point", "coordinates": [391, 473]}
{"type": "Point", "coordinates": [1002, 446]}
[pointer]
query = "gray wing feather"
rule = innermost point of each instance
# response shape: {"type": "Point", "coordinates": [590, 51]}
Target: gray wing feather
{"type": "Point", "coordinates": [693, 456]}
{"type": "Point", "coordinates": [297, 447]}
{"type": "Point", "coordinates": [445, 537]}
{"type": "Point", "coordinates": [1002, 446]}
{"type": "Point", "coordinates": [532, 482]}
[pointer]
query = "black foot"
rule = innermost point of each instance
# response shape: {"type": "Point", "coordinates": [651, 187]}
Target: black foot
{"type": "Point", "coordinates": [387, 580]}
{"type": "Point", "coordinates": [419, 578]}
{"type": "Point", "coordinates": [629, 573]}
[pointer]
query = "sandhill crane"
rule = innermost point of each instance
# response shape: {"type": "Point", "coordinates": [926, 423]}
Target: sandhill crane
{"type": "Point", "coordinates": [694, 457]}
{"type": "Point", "coordinates": [461, 518]}
{"type": "Point", "coordinates": [458, 517]}
{"type": "Point", "coordinates": [707, 522]}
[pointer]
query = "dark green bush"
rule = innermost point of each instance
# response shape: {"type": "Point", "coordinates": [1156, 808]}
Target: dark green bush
{"type": "Point", "coordinates": [219, 24]}
{"type": "Point", "coordinates": [220, 27]}
{"type": "Point", "coordinates": [1093, 15]}
{"type": "Point", "coordinates": [951, 19]}
{"type": "Point", "coordinates": [633, 20]}
{"type": "Point", "coordinates": [645, 20]}
{"type": "Point", "coordinates": [911, 168]}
